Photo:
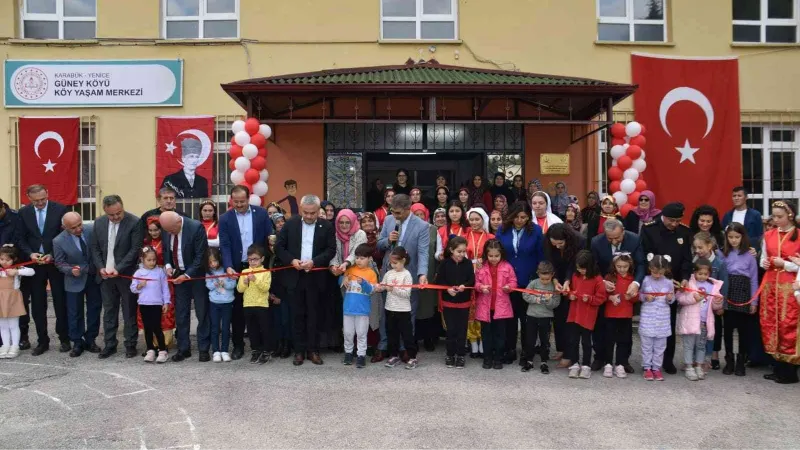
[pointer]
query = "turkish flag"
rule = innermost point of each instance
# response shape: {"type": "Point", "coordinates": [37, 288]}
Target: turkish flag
{"type": "Point", "coordinates": [48, 155]}
{"type": "Point", "coordinates": [690, 108]}
{"type": "Point", "coordinates": [185, 155]}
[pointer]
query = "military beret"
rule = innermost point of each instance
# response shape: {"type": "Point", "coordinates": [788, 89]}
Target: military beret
{"type": "Point", "coordinates": [673, 210]}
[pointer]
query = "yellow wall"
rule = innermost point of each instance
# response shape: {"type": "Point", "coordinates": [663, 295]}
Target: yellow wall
{"type": "Point", "coordinates": [286, 36]}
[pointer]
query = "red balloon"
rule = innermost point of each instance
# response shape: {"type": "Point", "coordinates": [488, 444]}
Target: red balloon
{"type": "Point", "coordinates": [236, 151]}
{"type": "Point", "coordinates": [614, 173]}
{"type": "Point", "coordinates": [258, 140]}
{"type": "Point", "coordinates": [247, 185]}
{"type": "Point", "coordinates": [258, 163]}
{"type": "Point", "coordinates": [618, 130]}
{"type": "Point", "coordinates": [625, 209]}
{"type": "Point", "coordinates": [251, 176]}
{"type": "Point", "coordinates": [262, 152]}
{"type": "Point", "coordinates": [634, 152]}
{"type": "Point", "coordinates": [638, 140]}
{"type": "Point", "coordinates": [617, 141]}
{"type": "Point", "coordinates": [232, 164]}
{"type": "Point", "coordinates": [624, 162]}
{"type": "Point", "coordinates": [614, 186]}
{"type": "Point", "coordinates": [633, 198]}
{"type": "Point", "coordinates": [641, 186]}
{"type": "Point", "coordinates": [251, 126]}
{"type": "Point", "coordinates": [643, 130]}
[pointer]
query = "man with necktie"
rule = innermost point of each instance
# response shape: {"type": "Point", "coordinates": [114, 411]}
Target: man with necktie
{"type": "Point", "coordinates": [40, 223]}
{"type": "Point", "coordinates": [115, 246]}
{"type": "Point", "coordinates": [71, 252]}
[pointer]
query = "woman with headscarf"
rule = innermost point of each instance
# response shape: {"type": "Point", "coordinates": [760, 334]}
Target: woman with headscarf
{"type": "Point", "coordinates": [375, 195]}
{"type": "Point", "coordinates": [644, 212]}
{"type": "Point", "coordinates": [608, 210]}
{"type": "Point", "coordinates": [479, 195]}
{"type": "Point", "coordinates": [573, 218]}
{"type": "Point", "coordinates": [208, 217]}
{"type": "Point", "coordinates": [499, 187]}
{"type": "Point", "coordinates": [440, 218]}
{"type": "Point", "coordinates": [592, 208]}
{"type": "Point", "coordinates": [501, 204]}
{"type": "Point", "coordinates": [383, 211]}
{"type": "Point", "coordinates": [518, 192]}
{"type": "Point", "coordinates": [542, 212]}
{"type": "Point", "coordinates": [561, 199]}
{"type": "Point", "coordinates": [533, 186]}
{"type": "Point", "coordinates": [426, 328]}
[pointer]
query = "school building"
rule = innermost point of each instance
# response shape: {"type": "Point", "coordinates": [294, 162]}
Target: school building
{"type": "Point", "coordinates": [354, 89]}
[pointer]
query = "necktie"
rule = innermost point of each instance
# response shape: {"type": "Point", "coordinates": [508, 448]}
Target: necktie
{"type": "Point", "coordinates": [40, 220]}
{"type": "Point", "coordinates": [112, 240]}
{"type": "Point", "coordinates": [175, 264]}
{"type": "Point", "coordinates": [83, 248]}
{"type": "Point", "coordinates": [400, 234]}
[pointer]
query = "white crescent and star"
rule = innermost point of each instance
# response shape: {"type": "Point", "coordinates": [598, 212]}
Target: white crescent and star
{"type": "Point", "coordinates": [688, 94]}
{"type": "Point", "coordinates": [49, 166]}
{"type": "Point", "coordinates": [205, 142]}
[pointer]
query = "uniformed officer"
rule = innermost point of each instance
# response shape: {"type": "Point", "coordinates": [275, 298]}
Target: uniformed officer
{"type": "Point", "coordinates": [668, 236]}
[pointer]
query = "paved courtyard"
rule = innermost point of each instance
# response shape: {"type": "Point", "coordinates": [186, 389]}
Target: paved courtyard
{"type": "Point", "coordinates": [53, 401]}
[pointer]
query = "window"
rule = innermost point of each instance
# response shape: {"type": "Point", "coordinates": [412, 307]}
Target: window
{"type": "Point", "coordinates": [770, 162]}
{"type": "Point", "coordinates": [59, 19]}
{"type": "Point", "coordinates": [773, 21]}
{"type": "Point", "coordinates": [631, 20]}
{"type": "Point", "coordinates": [200, 19]}
{"type": "Point", "coordinates": [419, 19]}
{"type": "Point", "coordinates": [344, 180]}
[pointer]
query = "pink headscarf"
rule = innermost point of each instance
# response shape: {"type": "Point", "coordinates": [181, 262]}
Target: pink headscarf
{"type": "Point", "coordinates": [420, 207]}
{"type": "Point", "coordinates": [344, 238]}
{"type": "Point", "coordinates": [649, 214]}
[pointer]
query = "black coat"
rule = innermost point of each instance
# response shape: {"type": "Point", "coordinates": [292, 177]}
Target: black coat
{"type": "Point", "coordinates": [451, 273]}
{"type": "Point", "coordinates": [659, 240]}
{"type": "Point", "coordinates": [289, 247]}
{"type": "Point", "coordinates": [593, 227]}
{"type": "Point", "coordinates": [9, 227]}
{"type": "Point", "coordinates": [631, 243]}
{"type": "Point", "coordinates": [181, 185]}
{"type": "Point", "coordinates": [564, 267]}
{"type": "Point", "coordinates": [30, 239]}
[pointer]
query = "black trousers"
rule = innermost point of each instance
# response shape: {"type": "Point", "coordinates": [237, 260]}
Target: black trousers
{"type": "Point", "coordinates": [24, 321]}
{"type": "Point", "coordinates": [599, 336]}
{"type": "Point", "coordinates": [579, 338]}
{"type": "Point", "coordinates": [493, 334]}
{"type": "Point", "coordinates": [237, 317]}
{"type": "Point", "coordinates": [305, 298]}
{"type": "Point", "coordinates": [560, 328]}
{"type": "Point", "coordinates": [456, 321]}
{"type": "Point", "coordinates": [735, 320]}
{"type": "Point", "coordinates": [719, 323]}
{"type": "Point", "coordinates": [538, 328]}
{"type": "Point", "coordinates": [619, 333]}
{"type": "Point", "coordinates": [520, 321]}
{"type": "Point", "coordinates": [151, 320]}
{"type": "Point", "coordinates": [45, 273]}
{"type": "Point", "coordinates": [669, 353]}
{"type": "Point", "coordinates": [398, 324]}
{"type": "Point", "coordinates": [257, 319]}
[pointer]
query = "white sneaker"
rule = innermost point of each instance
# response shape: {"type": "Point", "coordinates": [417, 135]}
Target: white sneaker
{"type": "Point", "coordinates": [691, 374]}
{"type": "Point", "coordinates": [574, 370]}
{"type": "Point", "coordinates": [586, 372]}
{"type": "Point", "coordinates": [4, 351]}
{"type": "Point", "coordinates": [619, 371]}
{"type": "Point", "coordinates": [701, 375]}
{"type": "Point", "coordinates": [608, 371]}
{"type": "Point", "coordinates": [226, 357]}
{"type": "Point", "coordinates": [150, 356]}
{"type": "Point", "coordinates": [217, 357]}
{"type": "Point", "coordinates": [13, 351]}
{"type": "Point", "coordinates": [162, 357]}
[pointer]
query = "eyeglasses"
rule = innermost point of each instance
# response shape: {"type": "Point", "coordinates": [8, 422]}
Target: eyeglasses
{"type": "Point", "coordinates": [344, 222]}
{"type": "Point", "coordinates": [256, 259]}
{"type": "Point", "coordinates": [644, 199]}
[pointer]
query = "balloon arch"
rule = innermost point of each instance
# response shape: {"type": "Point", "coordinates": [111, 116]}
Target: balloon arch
{"type": "Point", "coordinates": [625, 182]}
{"type": "Point", "coordinates": [249, 157]}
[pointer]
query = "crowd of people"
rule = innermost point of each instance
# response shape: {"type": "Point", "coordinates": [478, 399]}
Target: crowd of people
{"type": "Point", "coordinates": [494, 270]}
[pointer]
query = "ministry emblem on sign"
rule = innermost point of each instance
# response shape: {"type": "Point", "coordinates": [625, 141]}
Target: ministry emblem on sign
{"type": "Point", "coordinates": [30, 83]}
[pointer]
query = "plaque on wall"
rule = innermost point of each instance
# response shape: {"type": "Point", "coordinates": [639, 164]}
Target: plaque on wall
{"type": "Point", "coordinates": [554, 163]}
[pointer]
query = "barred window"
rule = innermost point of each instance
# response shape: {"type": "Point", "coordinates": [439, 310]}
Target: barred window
{"type": "Point", "coordinates": [770, 163]}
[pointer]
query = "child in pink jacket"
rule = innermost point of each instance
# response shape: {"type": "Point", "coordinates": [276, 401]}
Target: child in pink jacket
{"type": "Point", "coordinates": [696, 317]}
{"type": "Point", "coordinates": [493, 282]}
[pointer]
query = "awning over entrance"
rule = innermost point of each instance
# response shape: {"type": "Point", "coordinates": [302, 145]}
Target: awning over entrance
{"type": "Point", "coordinates": [428, 92]}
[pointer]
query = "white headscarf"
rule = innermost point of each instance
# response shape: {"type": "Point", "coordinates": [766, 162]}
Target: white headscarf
{"type": "Point", "coordinates": [483, 215]}
{"type": "Point", "coordinates": [552, 219]}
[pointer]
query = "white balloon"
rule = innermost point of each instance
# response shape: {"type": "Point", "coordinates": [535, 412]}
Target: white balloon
{"type": "Point", "coordinates": [265, 130]}
{"type": "Point", "coordinates": [613, 163]}
{"type": "Point", "coordinates": [260, 189]}
{"type": "Point", "coordinates": [264, 175]}
{"type": "Point", "coordinates": [633, 129]}
{"type": "Point", "coordinates": [620, 197]}
{"type": "Point", "coordinates": [642, 157]}
{"type": "Point", "coordinates": [625, 146]}
{"type": "Point", "coordinates": [242, 164]}
{"type": "Point", "coordinates": [639, 165]}
{"type": "Point", "coordinates": [627, 186]}
{"type": "Point", "coordinates": [631, 174]}
{"type": "Point", "coordinates": [242, 138]}
{"type": "Point", "coordinates": [617, 151]}
{"type": "Point", "coordinates": [250, 151]}
{"type": "Point", "coordinates": [238, 125]}
{"type": "Point", "coordinates": [237, 177]}
{"type": "Point", "coordinates": [255, 200]}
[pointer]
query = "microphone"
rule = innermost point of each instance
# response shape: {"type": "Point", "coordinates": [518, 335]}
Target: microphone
{"type": "Point", "coordinates": [396, 230]}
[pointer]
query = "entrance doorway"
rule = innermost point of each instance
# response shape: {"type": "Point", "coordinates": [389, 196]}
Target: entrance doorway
{"type": "Point", "coordinates": [423, 170]}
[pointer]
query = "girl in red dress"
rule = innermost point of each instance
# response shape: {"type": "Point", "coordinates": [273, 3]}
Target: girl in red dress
{"type": "Point", "coordinates": [457, 225]}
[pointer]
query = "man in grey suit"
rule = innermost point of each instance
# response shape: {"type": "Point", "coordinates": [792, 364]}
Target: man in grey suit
{"type": "Point", "coordinates": [115, 246]}
{"type": "Point", "coordinates": [406, 230]}
{"type": "Point", "coordinates": [71, 252]}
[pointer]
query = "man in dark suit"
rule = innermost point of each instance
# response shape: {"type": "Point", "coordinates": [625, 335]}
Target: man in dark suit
{"type": "Point", "coordinates": [166, 202]}
{"type": "Point", "coordinates": [115, 246]}
{"type": "Point", "coordinates": [306, 241]}
{"type": "Point", "coordinates": [239, 228]}
{"type": "Point", "coordinates": [9, 218]}
{"type": "Point", "coordinates": [185, 246]}
{"type": "Point", "coordinates": [604, 247]}
{"type": "Point", "coordinates": [71, 251]}
{"type": "Point", "coordinates": [40, 223]}
{"type": "Point", "coordinates": [187, 183]}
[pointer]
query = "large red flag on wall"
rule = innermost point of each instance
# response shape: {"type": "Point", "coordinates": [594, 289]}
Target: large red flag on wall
{"type": "Point", "coordinates": [691, 110]}
{"type": "Point", "coordinates": [184, 155]}
{"type": "Point", "coordinates": [48, 155]}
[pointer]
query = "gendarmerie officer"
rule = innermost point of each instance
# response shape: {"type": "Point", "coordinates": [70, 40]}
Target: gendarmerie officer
{"type": "Point", "coordinates": [666, 235]}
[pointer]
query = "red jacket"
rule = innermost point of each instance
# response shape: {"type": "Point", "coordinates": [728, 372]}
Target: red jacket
{"type": "Point", "coordinates": [584, 313]}
{"type": "Point", "coordinates": [625, 308]}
